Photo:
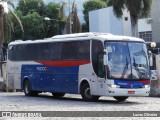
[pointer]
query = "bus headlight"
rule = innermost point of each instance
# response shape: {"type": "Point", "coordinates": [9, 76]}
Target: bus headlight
{"type": "Point", "coordinates": [146, 86]}
{"type": "Point", "coordinates": [113, 86]}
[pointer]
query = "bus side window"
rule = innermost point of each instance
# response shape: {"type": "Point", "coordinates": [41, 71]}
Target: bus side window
{"type": "Point", "coordinates": [97, 47]}
{"type": "Point", "coordinates": [11, 55]}
{"type": "Point", "coordinates": [101, 67]}
{"type": "Point", "coordinates": [55, 51]}
{"type": "Point", "coordinates": [43, 51]}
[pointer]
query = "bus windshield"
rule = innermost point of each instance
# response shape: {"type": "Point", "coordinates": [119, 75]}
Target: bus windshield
{"type": "Point", "coordinates": [127, 60]}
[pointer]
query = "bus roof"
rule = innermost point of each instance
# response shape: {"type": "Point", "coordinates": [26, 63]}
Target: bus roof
{"type": "Point", "coordinates": [80, 36]}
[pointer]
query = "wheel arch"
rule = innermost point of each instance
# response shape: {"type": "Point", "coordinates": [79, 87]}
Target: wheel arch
{"type": "Point", "coordinates": [24, 79]}
{"type": "Point", "coordinates": [83, 81]}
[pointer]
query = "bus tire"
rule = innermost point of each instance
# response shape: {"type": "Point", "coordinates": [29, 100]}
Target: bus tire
{"type": "Point", "coordinates": [86, 95]}
{"type": "Point", "coordinates": [120, 98]}
{"type": "Point", "coordinates": [58, 94]}
{"type": "Point", "coordinates": [27, 89]}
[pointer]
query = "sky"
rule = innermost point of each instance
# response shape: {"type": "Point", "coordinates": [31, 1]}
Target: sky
{"type": "Point", "coordinates": [79, 4]}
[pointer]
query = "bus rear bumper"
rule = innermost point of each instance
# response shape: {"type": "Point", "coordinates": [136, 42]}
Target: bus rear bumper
{"type": "Point", "coordinates": [128, 92]}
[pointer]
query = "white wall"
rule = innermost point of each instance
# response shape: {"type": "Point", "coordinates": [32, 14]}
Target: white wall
{"type": "Point", "coordinates": [144, 25]}
{"type": "Point", "coordinates": [104, 20]}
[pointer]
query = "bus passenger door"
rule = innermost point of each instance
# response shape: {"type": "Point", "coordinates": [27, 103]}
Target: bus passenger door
{"type": "Point", "coordinates": [10, 74]}
{"type": "Point", "coordinates": [101, 75]}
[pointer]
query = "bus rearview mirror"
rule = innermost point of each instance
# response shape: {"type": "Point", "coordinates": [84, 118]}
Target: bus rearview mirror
{"type": "Point", "coordinates": [105, 57]}
{"type": "Point", "coordinates": [105, 60]}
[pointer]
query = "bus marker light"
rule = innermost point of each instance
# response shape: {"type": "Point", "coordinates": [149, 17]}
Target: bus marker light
{"type": "Point", "coordinates": [131, 92]}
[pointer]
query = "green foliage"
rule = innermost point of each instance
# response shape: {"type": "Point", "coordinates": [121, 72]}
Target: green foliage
{"type": "Point", "coordinates": [108, 2]}
{"type": "Point", "coordinates": [32, 17]}
{"type": "Point", "coordinates": [52, 10]}
{"type": "Point", "coordinates": [33, 26]}
{"type": "Point", "coordinates": [136, 8]}
{"type": "Point", "coordinates": [17, 33]}
{"type": "Point", "coordinates": [30, 6]}
{"type": "Point", "coordinates": [89, 6]}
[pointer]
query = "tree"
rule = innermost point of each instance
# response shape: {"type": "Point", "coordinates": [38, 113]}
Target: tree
{"type": "Point", "coordinates": [35, 26]}
{"type": "Point", "coordinates": [57, 22]}
{"type": "Point", "coordinates": [136, 8]}
{"type": "Point", "coordinates": [6, 22]}
{"type": "Point", "coordinates": [4, 32]}
{"type": "Point", "coordinates": [75, 23]}
{"type": "Point", "coordinates": [89, 6]}
{"type": "Point", "coordinates": [108, 2]}
{"type": "Point", "coordinates": [30, 6]}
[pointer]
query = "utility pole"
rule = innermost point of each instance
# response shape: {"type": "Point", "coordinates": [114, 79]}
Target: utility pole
{"type": "Point", "coordinates": [1, 37]}
{"type": "Point", "coordinates": [70, 22]}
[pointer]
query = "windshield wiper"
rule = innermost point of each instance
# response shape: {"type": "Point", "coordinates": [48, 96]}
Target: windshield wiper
{"type": "Point", "coordinates": [126, 62]}
{"type": "Point", "coordinates": [125, 68]}
{"type": "Point", "coordinates": [134, 62]}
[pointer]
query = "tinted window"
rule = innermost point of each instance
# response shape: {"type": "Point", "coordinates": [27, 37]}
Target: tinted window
{"type": "Point", "coordinates": [11, 54]}
{"type": "Point", "coordinates": [77, 50]}
{"type": "Point", "coordinates": [32, 51]}
{"type": "Point", "coordinates": [55, 51]}
{"type": "Point", "coordinates": [43, 51]}
{"type": "Point", "coordinates": [97, 48]}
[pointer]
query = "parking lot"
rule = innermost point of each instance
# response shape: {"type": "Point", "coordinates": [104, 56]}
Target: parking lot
{"type": "Point", "coordinates": [16, 101]}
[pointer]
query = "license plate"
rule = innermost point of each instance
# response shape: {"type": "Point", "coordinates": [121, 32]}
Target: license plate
{"type": "Point", "coordinates": [131, 92]}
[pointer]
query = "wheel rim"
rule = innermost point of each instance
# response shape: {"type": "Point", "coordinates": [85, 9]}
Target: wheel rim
{"type": "Point", "coordinates": [87, 93]}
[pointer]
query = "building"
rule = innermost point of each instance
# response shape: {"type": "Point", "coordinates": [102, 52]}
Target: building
{"type": "Point", "coordinates": [145, 29]}
{"type": "Point", "coordinates": [155, 15]}
{"type": "Point", "coordinates": [104, 20]}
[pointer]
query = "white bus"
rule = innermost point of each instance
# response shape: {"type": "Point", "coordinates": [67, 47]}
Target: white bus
{"type": "Point", "coordinates": [90, 64]}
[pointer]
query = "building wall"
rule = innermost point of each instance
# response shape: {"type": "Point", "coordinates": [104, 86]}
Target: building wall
{"type": "Point", "coordinates": [145, 29]}
{"type": "Point", "coordinates": [155, 15]}
{"type": "Point", "coordinates": [144, 25]}
{"type": "Point", "coordinates": [104, 20]}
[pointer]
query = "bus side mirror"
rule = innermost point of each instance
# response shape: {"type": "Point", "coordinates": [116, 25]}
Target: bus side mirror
{"type": "Point", "coordinates": [150, 58]}
{"type": "Point", "coordinates": [105, 57]}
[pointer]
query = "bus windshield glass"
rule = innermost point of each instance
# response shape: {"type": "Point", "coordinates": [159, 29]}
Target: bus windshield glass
{"type": "Point", "coordinates": [127, 60]}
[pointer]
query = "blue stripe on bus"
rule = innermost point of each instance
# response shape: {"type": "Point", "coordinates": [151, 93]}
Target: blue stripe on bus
{"type": "Point", "coordinates": [51, 78]}
{"type": "Point", "coordinates": [130, 83]}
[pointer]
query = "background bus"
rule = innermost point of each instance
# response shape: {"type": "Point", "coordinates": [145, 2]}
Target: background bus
{"type": "Point", "coordinates": [84, 63]}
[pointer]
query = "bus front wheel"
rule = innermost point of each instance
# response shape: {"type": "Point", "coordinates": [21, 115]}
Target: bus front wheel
{"type": "Point", "coordinates": [86, 95]}
{"type": "Point", "coordinates": [27, 89]}
{"type": "Point", "coordinates": [120, 98]}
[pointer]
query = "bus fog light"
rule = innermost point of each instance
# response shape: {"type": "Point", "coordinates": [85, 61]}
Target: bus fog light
{"type": "Point", "coordinates": [146, 86]}
{"type": "Point", "coordinates": [113, 86]}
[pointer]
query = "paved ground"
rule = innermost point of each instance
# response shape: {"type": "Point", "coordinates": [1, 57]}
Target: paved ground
{"type": "Point", "coordinates": [45, 102]}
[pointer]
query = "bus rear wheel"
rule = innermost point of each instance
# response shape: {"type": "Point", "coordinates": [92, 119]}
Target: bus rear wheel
{"type": "Point", "coordinates": [120, 98]}
{"type": "Point", "coordinates": [58, 94]}
{"type": "Point", "coordinates": [86, 94]}
{"type": "Point", "coordinates": [27, 89]}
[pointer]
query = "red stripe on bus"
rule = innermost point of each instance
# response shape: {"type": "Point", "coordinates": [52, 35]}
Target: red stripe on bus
{"type": "Point", "coordinates": [144, 81]}
{"type": "Point", "coordinates": [66, 63]}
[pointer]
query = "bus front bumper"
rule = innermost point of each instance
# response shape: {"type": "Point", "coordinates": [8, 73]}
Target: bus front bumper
{"type": "Point", "coordinates": [128, 92]}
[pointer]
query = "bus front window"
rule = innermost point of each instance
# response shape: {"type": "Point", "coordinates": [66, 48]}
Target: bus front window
{"type": "Point", "coordinates": [139, 61]}
{"type": "Point", "coordinates": [127, 60]}
{"type": "Point", "coordinates": [119, 60]}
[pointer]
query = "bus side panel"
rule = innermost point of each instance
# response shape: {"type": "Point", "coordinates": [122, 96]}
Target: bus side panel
{"type": "Point", "coordinates": [52, 78]}
{"type": "Point", "coordinates": [37, 75]}
{"type": "Point", "coordinates": [10, 72]}
{"type": "Point", "coordinates": [86, 73]}
{"type": "Point", "coordinates": [64, 79]}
